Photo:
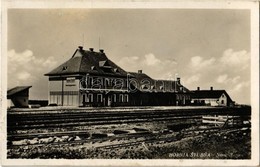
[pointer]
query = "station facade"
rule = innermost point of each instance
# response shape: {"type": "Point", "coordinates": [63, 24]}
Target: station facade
{"type": "Point", "coordinates": [90, 78]}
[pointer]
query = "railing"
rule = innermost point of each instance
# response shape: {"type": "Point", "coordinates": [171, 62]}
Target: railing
{"type": "Point", "coordinates": [222, 120]}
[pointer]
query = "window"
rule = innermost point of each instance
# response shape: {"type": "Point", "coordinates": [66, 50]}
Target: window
{"type": "Point", "coordinates": [99, 98]}
{"type": "Point", "coordinates": [71, 100]}
{"type": "Point", "coordinates": [84, 98]}
{"type": "Point", "coordinates": [121, 98]}
{"type": "Point", "coordinates": [64, 68]}
{"type": "Point", "coordinates": [116, 70]}
{"type": "Point", "coordinates": [89, 98]}
{"type": "Point", "coordinates": [53, 98]}
{"type": "Point", "coordinates": [57, 99]}
{"type": "Point", "coordinates": [90, 81]}
{"type": "Point", "coordinates": [126, 98]}
{"type": "Point", "coordinates": [93, 68]}
{"type": "Point", "coordinates": [107, 82]}
{"type": "Point", "coordinates": [114, 98]}
{"type": "Point", "coordinates": [222, 101]}
{"type": "Point", "coordinates": [188, 97]}
{"type": "Point", "coordinates": [181, 88]}
{"type": "Point", "coordinates": [180, 97]}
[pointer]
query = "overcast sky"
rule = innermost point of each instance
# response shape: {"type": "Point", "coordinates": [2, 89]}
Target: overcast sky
{"type": "Point", "coordinates": [204, 47]}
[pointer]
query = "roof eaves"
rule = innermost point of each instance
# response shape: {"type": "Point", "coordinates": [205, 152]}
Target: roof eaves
{"type": "Point", "coordinates": [17, 89]}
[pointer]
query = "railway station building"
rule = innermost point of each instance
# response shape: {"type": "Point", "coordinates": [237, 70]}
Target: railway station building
{"type": "Point", "coordinates": [90, 78]}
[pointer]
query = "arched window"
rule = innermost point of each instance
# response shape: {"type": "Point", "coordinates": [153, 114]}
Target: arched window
{"type": "Point", "coordinates": [114, 97]}
{"type": "Point", "coordinates": [121, 98]}
{"type": "Point", "coordinates": [126, 98]}
{"type": "Point", "coordinates": [99, 98]}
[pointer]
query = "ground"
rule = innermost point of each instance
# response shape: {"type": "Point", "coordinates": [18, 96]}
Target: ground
{"type": "Point", "coordinates": [156, 137]}
{"type": "Point", "coordinates": [233, 145]}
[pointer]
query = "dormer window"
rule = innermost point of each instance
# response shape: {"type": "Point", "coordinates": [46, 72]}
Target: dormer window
{"type": "Point", "coordinates": [64, 68]}
{"type": "Point", "coordinates": [105, 66]}
{"type": "Point", "coordinates": [93, 68]}
{"type": "Point", "coordinates": [116, 70]}
{"type": "Point", "coordinates": [181, 88]}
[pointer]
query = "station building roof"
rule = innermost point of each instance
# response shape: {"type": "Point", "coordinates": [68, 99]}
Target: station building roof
{"type": "Point", "coordinates": [148, 84]}
{"type": "Point", "coordinates": [209, 94]}
{"type": "Point", "coordinates": [88, 61]}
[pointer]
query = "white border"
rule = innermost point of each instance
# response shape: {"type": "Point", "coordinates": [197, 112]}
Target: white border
{"type": "Point", "coordinates": [252, 5]}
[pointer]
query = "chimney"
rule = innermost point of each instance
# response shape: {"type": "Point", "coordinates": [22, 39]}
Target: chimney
{"type": "Point", "coordinates": [211, 88]}
{"type": "Point", "coordinates": [91, 49]}
{"type": "Point", "coordinates": [140, 71]}
{"type": "Point", "coordinates": [101, 50]}
{"type": "Point", "coordinates": [80, 47]}
{"type": "Point", "coordinates": [179, 80]}
{"type": "Point", "coordinates": [198, 88]}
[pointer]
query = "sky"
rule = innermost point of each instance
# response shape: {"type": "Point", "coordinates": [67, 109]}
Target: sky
{"type": "Point", "coordinates": [204, 47]}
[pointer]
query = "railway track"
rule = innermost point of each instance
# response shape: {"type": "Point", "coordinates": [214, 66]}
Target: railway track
{"type": "Point", "coordinates": [99, 122]}
{"type": "Point", "coordinates": [35, 114]}
{"type": "Point", "coordinates": [20, 120]}
{"type": "Point", "coordinates": [26, 121]}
